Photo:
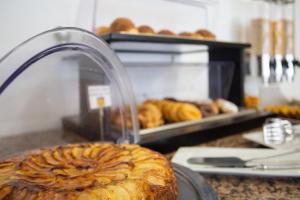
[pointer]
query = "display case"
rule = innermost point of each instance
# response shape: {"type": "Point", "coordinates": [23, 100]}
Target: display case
{"type": "Point", "coordinates": [173, 60]}
{"type": "Point", "coordinates": [43, 82]}
{"type": "Point", "coordinates": [224, 78]}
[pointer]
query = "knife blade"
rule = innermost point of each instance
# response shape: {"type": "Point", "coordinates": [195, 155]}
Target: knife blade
{"type": "Point", "coordinates": [234, 162]}
{"type": "Point", "coordinates": [218, 161]}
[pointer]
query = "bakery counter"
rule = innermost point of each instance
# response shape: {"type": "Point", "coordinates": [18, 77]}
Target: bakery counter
{"type": "Point", "coordinates": [227, 187]}
{"type": "Point", "coordinates": [245, 187]}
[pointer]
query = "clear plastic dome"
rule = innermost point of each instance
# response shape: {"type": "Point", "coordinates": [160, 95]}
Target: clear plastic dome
{"type": "Point", "coordinates": [67, 80]}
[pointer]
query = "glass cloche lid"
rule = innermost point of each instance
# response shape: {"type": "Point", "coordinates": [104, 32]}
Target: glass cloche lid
{"type": "Point", "coordinates": [66, 80]}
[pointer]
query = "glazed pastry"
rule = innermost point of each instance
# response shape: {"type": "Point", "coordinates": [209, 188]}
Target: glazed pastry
{"type": "Point", "coordinates": [166, 32]}
{"type": "Point", "coordinates": [123, 24]}
{"type": "Point", "coordinates": [187, 34]}
{"type": "Point", "coordinates": [205, 34]}
{"type": "Point", "coordinates": [117, 119]}
{"type": "Point", "coordinates": [102, 30]}
{"type": "Point", "coordinates": [226, 106]}
{"type": "Point", "coordinates": [155, 102]}
{"type": "Point", "coordinates": [186, 112]}
{"type": "Point", "coordinates": [146, 29]}
{"type": "Point", "coordinates": [285, 110]}
{"type": "Point", "coordinates": [177, 111]}
{"type": "Point", "coordinates": [131, 31]}
{"type": "Point", "coordinates": [150, 116]}
{"type": "Point", "coordinates": [88, 172]}
{"type": "Point", "coordinates": [208, 108]}
{"type": "Point", "coordinates": [252, 102]}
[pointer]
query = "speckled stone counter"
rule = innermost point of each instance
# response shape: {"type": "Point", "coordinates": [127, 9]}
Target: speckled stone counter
{"type": "Point", "coordinates": [245, 187]}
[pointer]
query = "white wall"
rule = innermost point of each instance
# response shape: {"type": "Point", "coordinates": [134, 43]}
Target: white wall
{"type": "Point", "coordinates": [37, 100]}
{"type": "Point", "coordinates": [20, 20]}
{"type": "Point", "coordinates": [297, 28]}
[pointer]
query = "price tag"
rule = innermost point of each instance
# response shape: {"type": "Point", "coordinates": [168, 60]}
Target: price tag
{"type": "Point", "coordinates": [99, 96]}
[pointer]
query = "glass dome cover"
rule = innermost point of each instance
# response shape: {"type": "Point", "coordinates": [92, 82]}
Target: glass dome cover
{"type": "Point", "coordinates": [67, 80]}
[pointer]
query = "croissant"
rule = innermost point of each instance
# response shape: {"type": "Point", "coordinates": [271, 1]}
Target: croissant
{"type": "Point", "coordinates": [150, 116]}
{"type": "Point", "coordinates": [174, 111]}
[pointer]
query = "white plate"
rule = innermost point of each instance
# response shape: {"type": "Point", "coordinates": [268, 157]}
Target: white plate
{"type": "Point", "coordinates": [258, 138]}
{"type": "Point", "coordinates": [184, 153]}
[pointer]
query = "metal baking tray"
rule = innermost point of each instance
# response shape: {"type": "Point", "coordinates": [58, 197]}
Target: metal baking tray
{"type": "Point", "coordinates": [143, 43]}
{"type": "Point", "coordinates": [192, 185]}
{"type": "Point", "coordinates": [182, 128]}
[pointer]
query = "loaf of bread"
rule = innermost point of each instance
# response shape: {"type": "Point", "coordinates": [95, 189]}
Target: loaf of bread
{"type": "Point", "coordinates": [88, 172]}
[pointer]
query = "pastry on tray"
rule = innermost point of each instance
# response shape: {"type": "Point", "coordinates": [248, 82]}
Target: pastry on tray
{"type": "Point", "coordinates": [123, 24]}
{"type": "Point", "coordinates": [190, 35]}
{"type": "Point", "coordinates": [208, 108]}
{"type": "Point", "coordinates": [166, 32]}
{"type": "Point", "coordinates": [117, 119]}
{"type": "Point", "coordinates": [289, 111]}
{"type": "Point", "coordinates": [206, 34]}
{"type": "Point", "coordinates": [174, 111]}
{"type": "Point", "coordinates": [88, 172]}
{"type": "Point", "coordinates": [186, 34]}
{"type": "Point", "coordinates": [226, 106]}
{"type": "Point", "coordinates": [146, 30]}
{"type": "Point", "coordinates": [150, 116]}
{"type": "Point", "coordinates": [102, 30]}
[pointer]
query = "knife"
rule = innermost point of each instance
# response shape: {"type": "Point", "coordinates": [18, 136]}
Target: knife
{"type": "Point", "coordinates": [235, 162]}
{"type": "Point", "coordinates": [250, 163]}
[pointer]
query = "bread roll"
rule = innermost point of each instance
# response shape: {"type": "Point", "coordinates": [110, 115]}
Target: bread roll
{"type": "Point", "coordinates": [122, 24]}
{"type": "Point", "coordinates": [146, 29]}
{"type": "Point", "coordinates": [186, 34]}
{"type": "Point", "coordinates": [227, 106]}
{"type": "Point", "coordinates": [205, 34]}
{"type": "Point", "coordinates": [102, 30]}
{"type": "Point", "coordinates": [150, 116]}
{"type": "Point", "coordinates": [165, 32]}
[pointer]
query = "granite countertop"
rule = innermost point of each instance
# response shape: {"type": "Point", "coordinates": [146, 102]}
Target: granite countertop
{"type": "Point", "coordinates": [227, 187]}
{"type": "Point", "coordinates": [245, 187]}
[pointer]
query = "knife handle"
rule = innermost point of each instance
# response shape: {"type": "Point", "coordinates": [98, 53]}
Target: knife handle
{"type": "Point", "coordinates": [276, 167]}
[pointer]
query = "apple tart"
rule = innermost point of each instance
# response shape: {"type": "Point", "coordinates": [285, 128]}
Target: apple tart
{"type": "Point", "coordinates": [88, 171]}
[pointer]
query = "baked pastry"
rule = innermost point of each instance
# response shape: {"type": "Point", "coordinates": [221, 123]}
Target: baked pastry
{"type": "Point", "coordinates": [102, 30]}
{"type": "Point", "coordinates": [146, 29]}
{"type": "Point", "coordinates": [226, 106]}
{"type": "Point", "coordinates": [88, 172]}
{"type": "Point", "coordinates": [285, 110]}
{"type": "Point", "coordinates": [150, 116]}
{"type": "Point", "coordinates": [165, 32]}
{"type": "Point", "coordinates": [208, 108]}
{"type": "Point", "coordinates": [187, 34]}
{"type": "Point", "coordinates": [174, 111]}
{"type": "Point", "coordinates": [252, 102]}
{"type": "Point", "coordinates": [117, 119]}
{"type": "Point", "coordinates": [203, 33]}
{"type": "Point", "coordinates": [123, 24]}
